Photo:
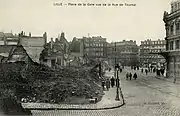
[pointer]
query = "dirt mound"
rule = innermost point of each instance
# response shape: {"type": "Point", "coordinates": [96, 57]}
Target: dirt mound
{"type": "Point", "coordinates": [38, 83]}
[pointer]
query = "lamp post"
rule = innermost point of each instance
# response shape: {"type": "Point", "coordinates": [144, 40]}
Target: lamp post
{"type": "Point", "coordinates": [116, 69]}
{"type": "Point", "coordinates": [117, 83]}
{"type": "Point", "coordinates": [115, 60]}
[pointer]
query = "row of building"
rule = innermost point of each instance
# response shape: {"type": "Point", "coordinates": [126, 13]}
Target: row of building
{"type": "Point", "coordinates": [123, 52]}
{"type": "Point", "coordinates": [60, 52]}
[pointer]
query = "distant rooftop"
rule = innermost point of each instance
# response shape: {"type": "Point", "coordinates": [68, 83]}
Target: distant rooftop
{"type": "Point", "coordinates": [2, 34]}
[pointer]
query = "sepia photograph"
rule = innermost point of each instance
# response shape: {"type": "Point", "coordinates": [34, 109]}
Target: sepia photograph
{"type": "Point", "coordinates": [90, 57]}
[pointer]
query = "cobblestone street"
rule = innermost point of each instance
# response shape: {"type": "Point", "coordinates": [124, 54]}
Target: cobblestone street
{"type": "Point", "coordinates": [146, 96]}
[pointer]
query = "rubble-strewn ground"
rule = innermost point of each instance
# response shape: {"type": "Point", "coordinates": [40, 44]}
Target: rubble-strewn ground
{"type": "Point", "coordinates": [38, 83]}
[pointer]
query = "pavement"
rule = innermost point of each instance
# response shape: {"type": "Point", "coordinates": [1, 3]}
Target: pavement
{"type": "Point", "coordinates": [146, 96]}
{"type": "Point", "coordinates": [107, 102]}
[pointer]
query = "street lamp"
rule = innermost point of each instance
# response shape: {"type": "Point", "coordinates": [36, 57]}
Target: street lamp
{"type": "Point", "coordinates": [117, 83]}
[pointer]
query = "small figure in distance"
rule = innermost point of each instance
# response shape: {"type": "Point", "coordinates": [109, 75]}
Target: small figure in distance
{"type": "Point", "coordinates": [130, 75]}
{"type": "Point", "coordinates": [135, 76]}
{"type": "Point", "coordinates": [108, 84]}
{"type": "Point", "coordinates": [127, 76]}
{"type": "Point", "coordinates": [112, 81]}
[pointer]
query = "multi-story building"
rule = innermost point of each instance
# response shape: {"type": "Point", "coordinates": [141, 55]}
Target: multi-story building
{"type": "Point", "coordinates": [172, 26]}
{"type": "Point", "coordinates": [8, 39]}
{"type": "Point", "coordinates": [93, 47]}
{"type": "Point", "coordinates": [125, 52]}
{"type": "Point", "coordinates": [149, 49]}
{"type": "Point", "coordinates": [33, 45]}
{"type": "Point", "coordinates": [54, 54]}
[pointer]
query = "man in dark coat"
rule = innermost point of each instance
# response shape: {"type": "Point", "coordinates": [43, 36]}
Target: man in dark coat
{"type": "Point", "coordinates": [108, 84]}
{"type": "Point", "coordinates": [120, 70]}
{"type": "Point", "coordinates": [142, 70]}
{"type": "Point", "coordinates": [135, 76]}
{"type": "Point", "coordinates": [103, 84]}
{"type": "Point", "coordinates": [146, 71]}
{"type": "Point", "coordinates": [112, 82]}
{"type": "Point", "coordinates": [162, 71]}
{"type": "Point", "coordinates": [127, 75]}
{"type": "Point", "coordinates": [130, 76]}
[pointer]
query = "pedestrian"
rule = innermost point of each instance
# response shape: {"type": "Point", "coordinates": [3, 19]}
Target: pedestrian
{"type": "Point", "coordinates": [146, 70]}
{"type": "Point", "coordinates": [108, 84]}
{"type": "Point", "coordinates": [103, 84]}
{"type": "Point", "coordinates": [137, 67]}
{"type": "Point", "coordinates": [135, 76]}
{"type": "Point", "coordinates": [120, 70]}
{"type": "Point", "coordinates": [158, 71]}
{"type": "Point", "coordinates": [127, 75]}
{"type": "Point", "coordinates": [151, 68]}
{"type": "Point", "coordinates": [109, 69]}
{"type": "Point", "coordinates": [112, 82]}
{"type": "Point", "coordinates": [130, 75]}
{"type": "Point", "coordinates": [142, 70]}
{"type": "Point", "coordinates": [162, 71]}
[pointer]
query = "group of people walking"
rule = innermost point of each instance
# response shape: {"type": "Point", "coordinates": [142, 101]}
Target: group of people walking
{"type": "Point", "coordinates": [108, 83]}
{"type": "Point", "coordinates": [129, 76]}
{"type": "Point", "coordinates": [146, 71]}
{"type": "Point", "coordinates": [158, 71]}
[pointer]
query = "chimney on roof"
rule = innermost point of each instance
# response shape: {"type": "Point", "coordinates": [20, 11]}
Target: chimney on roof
{"type": "Point", "coordinates": [45, 37]}
{"type": "Point", "coordinates": [22, 33]}
{"type": "Point", "coordinates": [59, 36]}
{"type": "Point", "coordinates": [29, 34]}
{"type": "Point", "coordinates": [51, 43]}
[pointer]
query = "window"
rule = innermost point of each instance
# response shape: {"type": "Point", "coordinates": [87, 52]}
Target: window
{"type": "Point", "coordinates": [171, 29]}
{"type": "Point", "coordinates": [177, 44]}
{"type": "Point", "coordinates": [177, 27]}
{"type": "Point", "coordinates": [87, 49]}
{"type": "Point", "coordinates": [59, 61]}
{"type": "Point", "coordinates": [171, 59]}
{"type": "Point", "coordinates": [171, 45]}
{"type": "Point", "coordinates": [101, 53]}
{"type": "Point", "coordinates": [177, 59]}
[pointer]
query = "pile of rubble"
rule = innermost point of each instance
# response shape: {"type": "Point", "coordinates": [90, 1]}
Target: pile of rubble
{"type": "Point", "coordinates": [38, 83]}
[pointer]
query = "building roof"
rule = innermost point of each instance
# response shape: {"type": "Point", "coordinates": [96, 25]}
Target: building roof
{"type": "Point", "coordinates": [1, 34]}
{"type": "Point", "coordinates": [8, 35]}
{"type": "Point", "coordinates": [174, 1]}
{"type": "Point", "coordinates": [34, 52]}
{"type": "Point", "coordinates": [6, 48]}
{"type": "Point", "coordinates": [19, 50]}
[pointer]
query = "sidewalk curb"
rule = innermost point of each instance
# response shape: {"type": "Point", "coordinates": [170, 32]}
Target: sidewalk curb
{"type": "Point", "coordinates": [113, 107]}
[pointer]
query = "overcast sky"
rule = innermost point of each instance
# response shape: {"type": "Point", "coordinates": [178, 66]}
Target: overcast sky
{"type": "Point", "coordinates": [143, 21]}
